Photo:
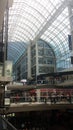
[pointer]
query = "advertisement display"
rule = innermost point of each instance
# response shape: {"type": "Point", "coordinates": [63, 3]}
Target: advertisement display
{"type": "Point", "coordinates": [8, 68]}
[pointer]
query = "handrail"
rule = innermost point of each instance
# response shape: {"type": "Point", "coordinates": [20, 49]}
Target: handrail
{"type": "Point", "coordinates": [11, 127]}
{"type": "Point", "coordinates": [51, 98]}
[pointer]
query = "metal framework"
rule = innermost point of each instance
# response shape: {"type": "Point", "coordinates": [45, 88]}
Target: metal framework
{"type": "Point", "coordinates": [34, 19]}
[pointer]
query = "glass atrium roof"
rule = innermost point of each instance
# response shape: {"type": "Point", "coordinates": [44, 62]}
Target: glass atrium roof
{"type": "Point", "coordinates": [34, 19]}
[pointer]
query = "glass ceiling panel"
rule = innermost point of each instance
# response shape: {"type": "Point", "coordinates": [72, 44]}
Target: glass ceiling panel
{"type": "Point", "coordinates": [57, 36]}
{"type": "Point", "coordinates": [16, 48]}
{"type": "Point", "coordinates": [38, 10]}
{"type": "Point", "coordinates": [28, 17]}
{"type": "Point", "coordinates": [59, 28]}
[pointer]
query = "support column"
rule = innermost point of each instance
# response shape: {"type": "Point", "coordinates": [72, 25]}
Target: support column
{"type": "Point", "coordinates": [5, 36]}
{"type": "Point", "coordinates": [36, 60]}
{"type": "Point", "coordinates": [29, 61]}
{"type": "Point", "coordinates": [38, 95]}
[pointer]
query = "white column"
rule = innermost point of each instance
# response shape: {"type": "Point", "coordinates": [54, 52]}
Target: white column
{"type": "Point", "coordinates": [36, 60]}
{"type": "Point", "coordinates": [38, 95]}
{"type": "Point", "coordinates": [29, 61]}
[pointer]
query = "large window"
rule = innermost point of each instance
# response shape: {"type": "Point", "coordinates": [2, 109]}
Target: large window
{"type": "Point", "coordinates": [33, 70]}
{"type": "Point", "coordinates": [33, 61]}
{"type": "Point", "coordinates": [44, 69]}
{"type": "Point", "coordinates": [40, 52]}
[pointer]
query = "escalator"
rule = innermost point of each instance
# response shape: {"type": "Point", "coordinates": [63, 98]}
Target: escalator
{"type": "Point", "coordinates": [5, 125]}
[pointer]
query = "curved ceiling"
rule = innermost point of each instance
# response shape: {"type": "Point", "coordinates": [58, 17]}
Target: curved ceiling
{"type": "Point", "coordinates": [34, 19]}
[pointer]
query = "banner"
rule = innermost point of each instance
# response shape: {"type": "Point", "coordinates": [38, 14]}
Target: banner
{"type": "Point", "coordinates": [8, 68]}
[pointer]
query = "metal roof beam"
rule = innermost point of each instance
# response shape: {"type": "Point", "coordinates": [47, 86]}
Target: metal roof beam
{"type": "Point", "coordinates": [52, 19]}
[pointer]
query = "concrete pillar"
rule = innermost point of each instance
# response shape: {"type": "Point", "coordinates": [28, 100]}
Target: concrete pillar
{"type": "Point", "coordinates": [29, 61]}
{"type": "Point", "coordinates": [38, 95]}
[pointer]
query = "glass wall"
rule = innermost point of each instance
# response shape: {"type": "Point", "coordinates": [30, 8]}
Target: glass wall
{"type": "Point", "coordinates": [43, 60]}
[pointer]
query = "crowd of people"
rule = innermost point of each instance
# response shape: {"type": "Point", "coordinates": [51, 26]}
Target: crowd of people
{"type": "Point", "coordinates": [51, 97]}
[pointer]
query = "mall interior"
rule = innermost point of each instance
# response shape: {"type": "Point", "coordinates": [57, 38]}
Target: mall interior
{"type": "Point", "coordinates": [36, 64]}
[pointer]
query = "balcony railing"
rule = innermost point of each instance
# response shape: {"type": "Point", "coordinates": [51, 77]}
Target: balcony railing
{"type": "Point", "coordinates": [57, 99]}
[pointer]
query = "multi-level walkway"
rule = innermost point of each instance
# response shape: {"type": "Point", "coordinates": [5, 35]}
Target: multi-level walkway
{"type": "Point", "coordinates": [38, 106]}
